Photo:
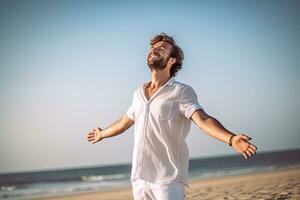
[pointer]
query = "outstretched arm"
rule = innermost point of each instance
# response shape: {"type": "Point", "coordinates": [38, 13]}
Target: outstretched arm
{"type": "Point", "coordinates": [114, 129]}
{"type": "Point", "coordinates": [214, 128]}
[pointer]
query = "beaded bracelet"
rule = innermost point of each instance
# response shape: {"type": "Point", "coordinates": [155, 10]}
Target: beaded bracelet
{"type": "Point", "coordinates": [230, 140]}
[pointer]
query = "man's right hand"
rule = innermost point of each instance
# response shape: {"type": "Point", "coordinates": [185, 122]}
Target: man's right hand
{"type": "Point", "coordinates": [116, 128]}
{"type": "Point", "coordinates": [94, 135]}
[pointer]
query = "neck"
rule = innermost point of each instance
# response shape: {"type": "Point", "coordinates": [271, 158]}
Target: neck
{"type": "Point", "coordinates": [159, 78]}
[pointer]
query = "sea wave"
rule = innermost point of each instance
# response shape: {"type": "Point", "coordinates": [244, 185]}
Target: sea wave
{"type": "Point", "coordinates": [110, 177]}
{"type": "Point", "coordinates": [8, 188]}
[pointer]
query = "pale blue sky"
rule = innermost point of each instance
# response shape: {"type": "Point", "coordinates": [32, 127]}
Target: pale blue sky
{"type": "Point", "coordinates": [69, 66]}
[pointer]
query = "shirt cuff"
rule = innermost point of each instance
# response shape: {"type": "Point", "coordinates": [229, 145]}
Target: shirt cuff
{"type": "Point", "coordinates": [192, 109]}
{"type": "Point", "coordinates": [130, 116]}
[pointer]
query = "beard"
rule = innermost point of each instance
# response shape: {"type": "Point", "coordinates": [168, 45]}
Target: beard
{"type": "Point", "coordinates": [157, 62]}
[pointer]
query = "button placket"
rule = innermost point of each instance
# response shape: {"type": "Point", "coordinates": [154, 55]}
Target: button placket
{"type": "Point", "coordinates": [145, 128]}
{"type": "Point", "coordinates": [143, 136]}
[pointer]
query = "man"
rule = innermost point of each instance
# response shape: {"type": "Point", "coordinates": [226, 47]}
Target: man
{"type": "Point", "coordinates": [162, 111]}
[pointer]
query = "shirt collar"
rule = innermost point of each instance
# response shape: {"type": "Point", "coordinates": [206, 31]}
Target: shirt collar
{"type": "Point", "coordinates": [169, 82]}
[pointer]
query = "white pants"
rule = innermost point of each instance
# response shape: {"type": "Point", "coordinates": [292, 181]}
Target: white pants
{"type": "Point", "coordinates": [143, 190]}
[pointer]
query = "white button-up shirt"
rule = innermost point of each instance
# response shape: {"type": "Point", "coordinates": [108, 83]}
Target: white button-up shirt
{"type": "Point", "coordinates": [160, 153]}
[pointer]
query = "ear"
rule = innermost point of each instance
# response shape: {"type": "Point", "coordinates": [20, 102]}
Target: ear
{"type": "Point", "coordinates": [172, 60]}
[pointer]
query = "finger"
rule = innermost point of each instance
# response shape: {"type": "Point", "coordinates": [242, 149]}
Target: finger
{"type": "Point", "coordinates": [253, 146]}
{"type": "Point", "coordinates": [251, 150]}
{"type": "Point", "coordinates": [245, 155]}
{"type": "Point", "coordinates": [248, 153]}
{"type": "Point", "coordinates": [90, 135]}
{"type": "Point", "coordinates": [97, 129]}
{"type": "Point", "coordinates": [91, 139]}
{"type": "Point", "coordinates": [245, 137]}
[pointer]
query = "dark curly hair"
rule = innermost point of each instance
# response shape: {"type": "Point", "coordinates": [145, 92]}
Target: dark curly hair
{"type": "Point", "coordinates": [176, 51]}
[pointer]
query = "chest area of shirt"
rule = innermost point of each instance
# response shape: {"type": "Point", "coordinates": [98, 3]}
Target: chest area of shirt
{"type": "Point", "coordinates": [150, 92]}
{"type": "Point", "coordinates": [161, 105]}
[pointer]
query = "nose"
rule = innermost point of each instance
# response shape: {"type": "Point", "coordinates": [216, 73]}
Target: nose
{"type": "Point", "coordinates": [152, 52]}
{"type": "Point", "coordinates": [156, 51]}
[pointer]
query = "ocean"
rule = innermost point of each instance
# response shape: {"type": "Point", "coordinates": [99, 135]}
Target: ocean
{"type": "Point", "coordinates": [42, 184]}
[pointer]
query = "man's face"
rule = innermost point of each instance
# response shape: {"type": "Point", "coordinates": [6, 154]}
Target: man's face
{"type": "Point", "coordinates": [159, 55]}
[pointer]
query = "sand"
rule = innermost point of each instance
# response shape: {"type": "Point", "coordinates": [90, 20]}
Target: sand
{"type": "Point", "coordinates": [276, 185]}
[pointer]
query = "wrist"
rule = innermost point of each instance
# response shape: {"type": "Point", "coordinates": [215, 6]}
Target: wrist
{"type": "Point", "coordinates": [230, 139]}
{"type": "Point", "coordinates": [101, 134]}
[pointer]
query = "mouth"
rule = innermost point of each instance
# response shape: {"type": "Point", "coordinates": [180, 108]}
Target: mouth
{"type": "Point", "coordinates": [153, 54]}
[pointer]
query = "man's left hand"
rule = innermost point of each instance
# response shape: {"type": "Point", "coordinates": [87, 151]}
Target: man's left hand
{"type": "Point", "coordinates": [241, 144]}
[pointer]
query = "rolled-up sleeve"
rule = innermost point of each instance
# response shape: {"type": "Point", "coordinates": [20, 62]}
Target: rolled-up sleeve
{"type": "Point", "coordinates": [189, 102]}
{"type": "Point", "coordinates": [131, 110]}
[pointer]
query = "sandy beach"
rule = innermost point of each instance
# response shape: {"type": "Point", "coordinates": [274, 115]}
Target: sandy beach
{"type": "Point", "coordinates": [275, 185]}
